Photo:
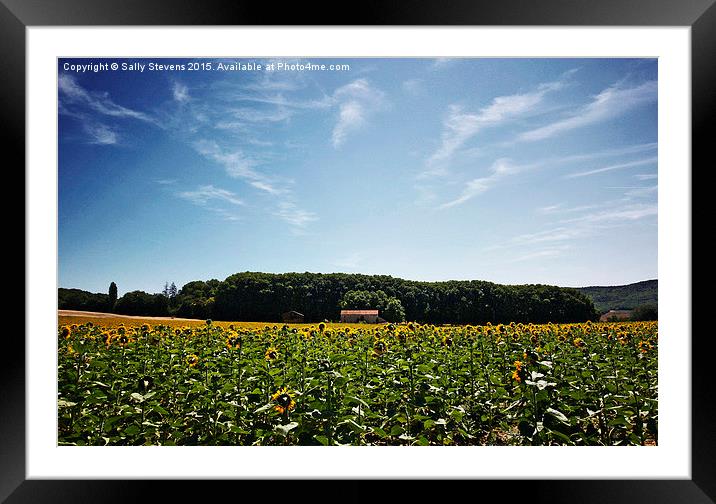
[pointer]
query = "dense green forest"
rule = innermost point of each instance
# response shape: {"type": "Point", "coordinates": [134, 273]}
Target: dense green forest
{"type": "Point", "coordinates": [251, 296]}
{"type": "Point", "coordinates": [623, 297]}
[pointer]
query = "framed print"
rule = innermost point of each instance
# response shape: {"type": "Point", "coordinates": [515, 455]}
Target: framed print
{"type": "Point", "coordinates": [478, 155]}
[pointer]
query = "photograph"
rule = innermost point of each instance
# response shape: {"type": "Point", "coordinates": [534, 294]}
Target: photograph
{"type": "Point", "coordinates": [373, 251]}
{"type": "Point", "coordinates": [414, 243]}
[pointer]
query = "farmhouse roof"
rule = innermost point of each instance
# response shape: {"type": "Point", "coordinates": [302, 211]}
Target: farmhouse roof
{"type": "Point", "coordinates": [359, 312]}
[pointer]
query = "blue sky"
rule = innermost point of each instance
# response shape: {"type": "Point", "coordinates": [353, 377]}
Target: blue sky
{"type": "Point", "coordinates": [509, 170]}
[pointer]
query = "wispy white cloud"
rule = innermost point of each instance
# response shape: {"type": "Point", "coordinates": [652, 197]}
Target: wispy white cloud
{"type": "Point", "coordinates": [569, 233]}
{"type": "Point", "coordinates": [291, 213]}
{"type": "Point", "coordinates": [180, 92]}
{"type": "Point", "coordinates": [641, 192]}
{"type": "Point", "coordinates": [613, 152]}
{"type": "Point", "coordinates": [550, 208]}
{"type": "Point", "coordinates": [72, 94]}
{"type": "Point", "coordinates": [356, 102]}
{"type": "Point", "coordinates": [237, 165]}
{"type": "Point", "coordinates": [255, 115]}
{"type": "Point", "coordinates": [562, 209]}
{"type": "Point", "coordinates": [646, 176]}
{"type": "Point", "coordinates": [280, 100]}
{"type": "Point", "coordinates": [100, 134]}
{"type": "Point", "coordinates": [558, 234]}
{"type": "Point", "coordinates": [619, 166]}
{"type": "Point", "coordinates": [460, 126]}
{"type": "Point", "coordinates": [611, 102]}
{"type": "Point", "coordinates": [207, 193]}
{"type": "Point", "coordinates": [625, 213]}
{"type": "Point", "coordinates": [442, 63]}
{"type": "Point", "coordinates": [500, 169]}
{"type": "Point", "coordinates": [225, 214]}
{"type": "Point", "coordinates": [547, 253]}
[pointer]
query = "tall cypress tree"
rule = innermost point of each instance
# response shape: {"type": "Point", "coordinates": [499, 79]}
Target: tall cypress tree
{"type": "Point", "coordinates": [112, 296]}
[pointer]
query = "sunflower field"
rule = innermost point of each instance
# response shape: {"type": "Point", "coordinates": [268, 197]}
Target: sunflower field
{"type": "Point", "coordinates": [334, 384]}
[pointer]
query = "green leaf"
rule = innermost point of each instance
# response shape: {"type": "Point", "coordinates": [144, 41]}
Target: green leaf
{"type": "Point", "coordinates": [558, 415]}
{"type": "Point", "coordinates": [159, 409]}
{"type": "Point", "coordinates": [321, 439]}
{"type": "Point", "coordinates": [561, 436]}
{"type": "Point", "coordinates": [357, 399]}
{"type": "Point", "coordinates": [285, 429]}
{"type": "Point", "coordinates": [264, 408]}
{"type": "Point", "coordinates": [380, 432]}
{"type": "Point", "coordinates": [132, 430]}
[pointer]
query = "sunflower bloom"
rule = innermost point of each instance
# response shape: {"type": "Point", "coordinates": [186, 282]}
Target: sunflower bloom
{"type": "Point", "coordinates": [271, 354]}
{"type": "Point", "coordinates": [192, 360]}
{"type": "Point", "coordinates": [645, 346]}
{"type": "Point", "coordinates": [233, 342]}
{"type": "Point", "coordinates": [284, 401]}
{"type": "Point", "coordinates": [520, 373]}
{"type": "Point", "coordinates": [379, 348]}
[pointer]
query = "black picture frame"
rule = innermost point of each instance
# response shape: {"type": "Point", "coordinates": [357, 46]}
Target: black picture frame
{"type": "Point", "coordinates": [699, 15]}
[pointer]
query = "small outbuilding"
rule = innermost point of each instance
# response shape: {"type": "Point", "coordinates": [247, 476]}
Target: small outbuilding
{"type": "Point", "coordinates": [615, 315]}
{"type": "Point", "coordinates": [357, 316]}
{"type": "Point", "coordinates": [292, 317]}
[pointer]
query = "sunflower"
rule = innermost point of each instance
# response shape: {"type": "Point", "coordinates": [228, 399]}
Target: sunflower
{"type": "Point", "coordinates": [233, 342]}
{"type": "Point", "coordinates": [379, 348]}
{"type": "Point", "coordinates": [400, 336]}
{"type": "Point", "coordinates": [284, 401]}
{"type": "Point", "coordinates": [66, 332]}
{"type": "Point", "coordinates": [520, 373]}
{"type": "Point", "coordinates": [192, 360]}
{"type": "Point", "coordinates": [578, 342]}
{"type": "Point", "coordinates": [447, 340]}
{"type": "Point", "coordinates": [645, 346]}
{"type": "Point", "coordinates": [322, 327]}
{"type": "Point", "coordinates": [271, 354]}
{"type": "Point", "coordinates": [146, 327]}
{"type": "Point", "coordinates": [123, 340]}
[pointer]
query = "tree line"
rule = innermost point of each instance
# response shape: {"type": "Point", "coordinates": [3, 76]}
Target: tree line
{"type": "Point", "coordinates": [263, 297]}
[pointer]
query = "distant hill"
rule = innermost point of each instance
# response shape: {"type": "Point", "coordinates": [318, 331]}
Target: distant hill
{"type": "Point", "coordinates": [622, 297]}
